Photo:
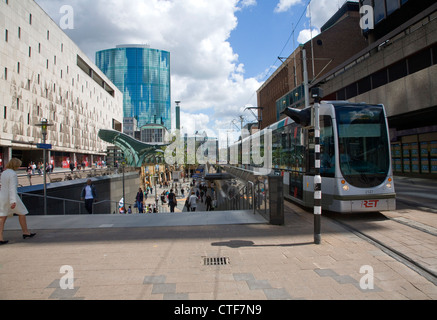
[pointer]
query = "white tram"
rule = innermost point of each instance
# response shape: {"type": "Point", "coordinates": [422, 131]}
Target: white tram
{"type": "Point", "coordinates": [356, 164]}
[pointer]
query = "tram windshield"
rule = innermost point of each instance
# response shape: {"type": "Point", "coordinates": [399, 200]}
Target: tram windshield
{"type": "Point", "coordinates": [363, 145]}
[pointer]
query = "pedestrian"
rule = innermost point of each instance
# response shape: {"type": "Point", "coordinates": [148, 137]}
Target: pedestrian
{"type": "Point", "coordinates": [10, 202]}
{"type": "Point", "coordinates": [193, 201]}
{"type": "Point", "coordinates": [29, 173]}
{"type": "Point", "coordinates": [208, 202]}
{"type": "Point", "coordinates": [89, 195]}
{"type": "Point", "coordinates": [129, 210]}
{"type": "Point", "coordinates": [139, 200]}
{"type": "Point", "coordinates": [172, 202]}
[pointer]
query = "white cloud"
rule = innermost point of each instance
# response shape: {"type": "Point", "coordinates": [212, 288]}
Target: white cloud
{"type": "Point", "coordinates": [305, 35]}
{"type": "Point", "coordinates": [206, 74]}
{"type": "Point", "coordinates": [285, 5]}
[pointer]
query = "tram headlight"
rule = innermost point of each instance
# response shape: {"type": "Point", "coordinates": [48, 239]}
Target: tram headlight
{"type": "Point", "coordinates": [345, 186]}
{"type": "Point", "coordinates": [389, 184]}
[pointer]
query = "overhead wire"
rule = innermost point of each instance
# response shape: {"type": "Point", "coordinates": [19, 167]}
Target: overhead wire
{"type": "Point", "coordinates": [268, 73]}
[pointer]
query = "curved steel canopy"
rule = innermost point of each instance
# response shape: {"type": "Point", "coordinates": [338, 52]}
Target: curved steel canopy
{"type": "Point", "coordinates": [134, 151]}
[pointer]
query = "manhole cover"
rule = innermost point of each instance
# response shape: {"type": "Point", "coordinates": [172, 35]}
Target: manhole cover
{"type": "Point", "coordinates": [220, 261]}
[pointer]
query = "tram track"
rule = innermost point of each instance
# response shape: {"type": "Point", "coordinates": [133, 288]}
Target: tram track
{"type": "Point", "coordinates": [392, 252]}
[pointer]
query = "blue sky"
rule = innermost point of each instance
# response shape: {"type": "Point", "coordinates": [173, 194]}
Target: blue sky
{"type": "Point", "coordinates": [220, 49]}
{"type": "Point", "coordinates": [261, 35]}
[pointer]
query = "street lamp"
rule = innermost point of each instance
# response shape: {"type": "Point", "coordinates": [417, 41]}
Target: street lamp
{"type": "Point", "coordinates": [44, 126]}
{"type": "Point", "coordinates": [156, 177]}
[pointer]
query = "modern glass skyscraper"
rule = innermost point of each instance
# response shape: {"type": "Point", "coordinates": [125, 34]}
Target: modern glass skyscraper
{"type": "Point", "coordinates": [143, 75]}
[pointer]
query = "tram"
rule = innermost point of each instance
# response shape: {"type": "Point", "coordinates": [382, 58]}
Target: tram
{"type": "Point", "coordinates": [355, 157]}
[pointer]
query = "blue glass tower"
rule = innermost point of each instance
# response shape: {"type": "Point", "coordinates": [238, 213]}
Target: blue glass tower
{"type": "Point", "coordinates": [143, 75]}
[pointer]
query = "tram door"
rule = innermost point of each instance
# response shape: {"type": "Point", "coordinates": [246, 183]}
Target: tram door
{"type": "Point", "coordinates": [297, 164]}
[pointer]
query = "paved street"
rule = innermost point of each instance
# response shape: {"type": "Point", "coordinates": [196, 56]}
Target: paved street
{"type": "Point", "coordinates": [263, 262]}
{"type": "Point", "coordinates": [165, 256]}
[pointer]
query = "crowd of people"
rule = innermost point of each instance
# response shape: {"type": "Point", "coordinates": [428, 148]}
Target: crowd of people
{"type": "Point", "coordinates": [146, 202]}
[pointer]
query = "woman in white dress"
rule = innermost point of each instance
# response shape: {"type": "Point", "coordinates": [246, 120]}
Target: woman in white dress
{"type": "Point", "coordinates": [10, 202]}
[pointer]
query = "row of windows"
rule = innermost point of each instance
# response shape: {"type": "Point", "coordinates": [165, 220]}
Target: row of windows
{"type": "Point", "coordinates": [47, 62]}
{"type": "Point", "coordinates": [383, 8]}
{"type": "Point", "coordinates": [134, 56]}
{"type": "Point", "coordinates": [419, 61]}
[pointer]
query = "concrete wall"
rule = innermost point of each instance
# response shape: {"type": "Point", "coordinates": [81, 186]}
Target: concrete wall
{"type": "Point", "coordinates": [411, 93]}
{"type": "Point", "coordinates": [108, 188]}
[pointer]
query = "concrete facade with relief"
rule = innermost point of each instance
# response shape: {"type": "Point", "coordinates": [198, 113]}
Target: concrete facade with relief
{"type": "Point", "coordinates": [44, 74]}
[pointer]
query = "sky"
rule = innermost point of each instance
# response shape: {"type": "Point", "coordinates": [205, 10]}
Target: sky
{"type": "Point", "coordinates": [221, 50]}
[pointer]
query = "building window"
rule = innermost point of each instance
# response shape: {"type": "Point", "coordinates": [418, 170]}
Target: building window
{"type": "Point", "coordinates": [379, 11]}
{"type": "Point", "coordinates": [18, 103]}
{"type": "Point", "coordinates": [341, 95]}
{"type": "Point", "coordinates": [30, 18]}
{"type": "Point", "coordinates": [48, 35]}
{"type": "Point", "coordinates": [419, 61]}
{"type": "Point", "coordinates": [5, 112]}
{"type": "Point", "coordinates": [379, 78]}
{"type": "Point", "coordinates": [6, 73]}
{"type": "Point", "coordinates": [39, 78]}
{"type": "Point", "coordinates": [392, 5]}
{"type": "Point", "coordinates": [19, 33]}
{"type": "Point", "coordinates": [18, 67]}
{"type": "Point", "coordinates": [28, 118]}
{"type": "Point", "coordinates": [434, 55]}
{"type": "Point", "coordinates": [39, 47]}
{"type": "Point", "coordinates": [364, 85]}
{"type": "Point", "coordinates": [30, 52]}
{"type": "Point", "coordinates": [47, 63]}
{"type": "Point", "coordinates": [397, 71]}
{"type": "Point", "coordinates": [351, 91]}
{"type": "Point", "coordinates": [6, 35]}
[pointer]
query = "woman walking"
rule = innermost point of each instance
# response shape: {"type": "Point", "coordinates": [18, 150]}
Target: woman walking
{"type": "Point", "coordinates": [10, 202]}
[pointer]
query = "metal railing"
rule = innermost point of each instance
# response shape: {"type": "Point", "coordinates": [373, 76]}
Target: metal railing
{"type": "Point", "coordinates": [55, 204]}
{"type": "Point", "coordinates": [245, 199]}
{"type": "Point", "coordinates": [61, 206]}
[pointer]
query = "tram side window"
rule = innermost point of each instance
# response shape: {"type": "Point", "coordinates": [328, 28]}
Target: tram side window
{"type": "Point", "coordinates": [327, 147]}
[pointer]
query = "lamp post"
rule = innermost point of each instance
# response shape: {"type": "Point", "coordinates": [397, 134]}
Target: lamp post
{"type": "Point", "coordinates": [156, 177]}
{"type": "Point", "coordinates": [44, 126]}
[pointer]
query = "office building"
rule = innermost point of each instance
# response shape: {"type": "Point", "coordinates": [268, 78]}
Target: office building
{"type": "Point", "coordinates": [143, 76]}
{"type": "Point", "coordinates": [45, 75]}
{"type": "Point", "coordinates": [398, 68]}
{"type": "Point", "coordinates": [285, 87]}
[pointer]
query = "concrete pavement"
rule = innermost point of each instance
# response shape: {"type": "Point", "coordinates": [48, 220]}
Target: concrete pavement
{"type": "Point", "coordinates": [261, 262]}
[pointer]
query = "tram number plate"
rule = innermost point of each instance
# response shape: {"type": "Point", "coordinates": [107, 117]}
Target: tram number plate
{"type": "Point", "coordinates": [369, 203]}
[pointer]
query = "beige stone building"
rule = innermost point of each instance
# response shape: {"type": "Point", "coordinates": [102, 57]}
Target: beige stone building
{"type": "Point", "coordinates": [45, 75]}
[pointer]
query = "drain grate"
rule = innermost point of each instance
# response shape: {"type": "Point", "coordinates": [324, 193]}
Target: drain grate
{"type": "Point", "coordinates": [220, 261]}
